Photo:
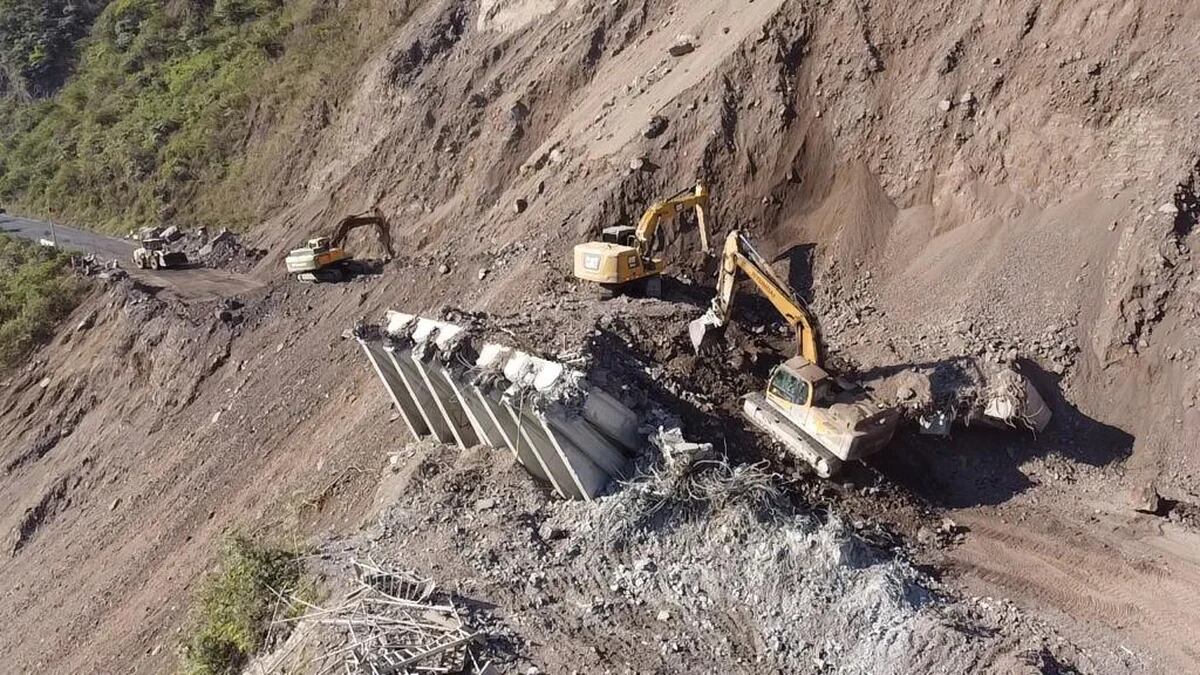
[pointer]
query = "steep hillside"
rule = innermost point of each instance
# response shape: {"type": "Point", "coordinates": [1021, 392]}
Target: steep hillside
{"type": "Point", "coordinates": [38, 41]}
{"type": "Point", "coordinates": [1012, 181]}
{"type": "Point", "coordinates": [152, 127]}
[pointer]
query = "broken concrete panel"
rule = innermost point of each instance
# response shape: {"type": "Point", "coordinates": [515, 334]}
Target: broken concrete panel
{"type": "Point", "coordinates": [395, 388]}
{"type": "Point", "coordinates": [557, 426]}
{"type": "Point", "coordinates": [588, 478]}
{"type": "Point", "coordinates": [594, 445]}
{"type": "Point", "coordinates": [526, 371]}
{"type": "Point", "coordinates": [507, 427]}
{"type": "Point", "coordinates": [612, 418]}
{"type": "Point", "coordinates": [1012, 399]}
{"type": "Point", "coordinates": [407, 370]}
{"type": "Point", "coordinates": [532, 437]}
{"type": "Point", "coordinates": [477, 414]}
{"type": "Point", "coordinates": [446, 403]}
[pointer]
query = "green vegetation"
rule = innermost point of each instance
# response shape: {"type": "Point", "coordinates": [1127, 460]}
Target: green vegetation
{"type": "Point", "coordinates": [37, 42]}
{"type": "Point", "coordinates": [153, 127]}
{"type": "Point", "coordinates": [36, 292]}
{"type": "Point", "coordinates": [236, 604]}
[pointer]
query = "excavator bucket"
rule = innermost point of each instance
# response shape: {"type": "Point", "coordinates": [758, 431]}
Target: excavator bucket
{"type": "Point", "coordinates": [706, 332]}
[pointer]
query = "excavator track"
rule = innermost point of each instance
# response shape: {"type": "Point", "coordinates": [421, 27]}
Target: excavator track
{"type": "Point", "coordinates": [762, 415]}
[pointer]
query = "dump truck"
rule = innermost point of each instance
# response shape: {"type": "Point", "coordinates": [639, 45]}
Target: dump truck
{"type": "Point", "coordinates": [822, 419]}
{"type": "Point", "coordinates": [153, 255]}
{"type": "Point", "coordinates": [624, 261]}
{"type": "Point", "coordinates": [324, 260]}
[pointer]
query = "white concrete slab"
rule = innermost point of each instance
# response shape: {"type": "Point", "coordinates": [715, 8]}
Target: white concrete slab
{"type": "Point", "coordinates": [421, 395]}
{"type": "Point", "coordinates": [395, 388]}
{"type": "Point", "coordinates": [446, 403]}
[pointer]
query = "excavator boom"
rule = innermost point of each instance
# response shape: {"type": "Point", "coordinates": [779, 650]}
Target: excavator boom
{"type": "Point", "coordinates": [653, 217]}
{"type": "Point", "coordinates": [375, 218]}
{"type": "Point", "coordinates": [739, 255]}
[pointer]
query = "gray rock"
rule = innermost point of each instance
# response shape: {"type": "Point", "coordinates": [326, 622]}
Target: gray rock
{"type": "Point", "coordinates": [684, 45]}
{"type": "Point", "coordinates": [1145, 499]}
{"type": "Point", "coordinates": [657, 125]}
{"type": "Point", "coordinates": [550, 532]}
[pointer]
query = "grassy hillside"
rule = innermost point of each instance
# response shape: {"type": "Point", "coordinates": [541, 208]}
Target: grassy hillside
{"type": "Point", "coordinates": [154, 120]}
{"type": "Point", "coordinates": [36, 292]}
{"type": "Point", "coordinates": [38, 41]}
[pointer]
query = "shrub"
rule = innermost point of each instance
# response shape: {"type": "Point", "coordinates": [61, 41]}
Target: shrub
{"type": "Point", "coordinates": [36, 293]}
{"type": "Point", "coordinates": [235, 605]}
{"type": "Point", "coordinates": [38, 40]}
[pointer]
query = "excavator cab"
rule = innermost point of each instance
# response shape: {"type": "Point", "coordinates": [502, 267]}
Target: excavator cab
{"type": "Point", "coordinates": [798, 383]}
{"type": "Point", "coordinates": [621, 235]}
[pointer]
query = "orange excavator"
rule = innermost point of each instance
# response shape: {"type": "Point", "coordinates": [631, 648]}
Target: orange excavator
{"type": "Point", "coordinates": [324, 260]}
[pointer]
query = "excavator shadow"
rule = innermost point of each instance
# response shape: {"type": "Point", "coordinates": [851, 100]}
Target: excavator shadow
{"type": "Point", "coordinates": [364, 268]}
{"type": "Point", "coordinates": [800, 259]}
{"type": "Point", "coordinates": [674, 290]}
{"type": "Point", "coordinates": [980, 466]}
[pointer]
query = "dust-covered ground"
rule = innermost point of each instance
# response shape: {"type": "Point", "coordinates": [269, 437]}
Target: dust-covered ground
{"type": "Point", "coordinates": [1003, 182]}
{"type": "Point", "coordinates": [692, 565]}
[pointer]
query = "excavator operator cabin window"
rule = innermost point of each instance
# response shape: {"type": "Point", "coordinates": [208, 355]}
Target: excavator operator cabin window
{"type": "Point", "coordinates": [789, 387]}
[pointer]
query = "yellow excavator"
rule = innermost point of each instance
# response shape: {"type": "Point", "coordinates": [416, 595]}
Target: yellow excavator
{"type": "Point", "coordinates": [623, 259]}
{"type": "Point", "coordinates": [324, 260]}
{"type": "Point", "coordinates": [824, 420]}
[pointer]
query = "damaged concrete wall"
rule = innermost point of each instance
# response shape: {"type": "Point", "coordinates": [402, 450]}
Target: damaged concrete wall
{"type": "Point", "coordinates": [560, 428]}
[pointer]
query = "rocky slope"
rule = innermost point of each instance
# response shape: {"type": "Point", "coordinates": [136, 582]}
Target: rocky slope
{"type": "Point", "coordinates": [946, 179]}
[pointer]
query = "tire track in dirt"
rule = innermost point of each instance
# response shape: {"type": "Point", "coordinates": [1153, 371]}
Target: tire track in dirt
{"type": "Point", "coordinates": [1113, 582]}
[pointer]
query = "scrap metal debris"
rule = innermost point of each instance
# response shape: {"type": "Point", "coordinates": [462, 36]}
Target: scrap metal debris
{"type": "Point", "coordinates": [395, 623]}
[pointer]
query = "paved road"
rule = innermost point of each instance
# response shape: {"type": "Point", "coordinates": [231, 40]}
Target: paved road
{"type": "Point", "coordinates": [195, 283]}
{"type": "Point", "coordinates": [68, 237]}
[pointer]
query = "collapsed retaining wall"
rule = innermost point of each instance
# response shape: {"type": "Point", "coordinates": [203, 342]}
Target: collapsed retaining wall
{"type": "Point", "coordinates": [560, 428]}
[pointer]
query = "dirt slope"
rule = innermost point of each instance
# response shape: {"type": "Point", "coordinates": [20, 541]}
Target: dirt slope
{"type": "Point", "coordinates": [971, 178]}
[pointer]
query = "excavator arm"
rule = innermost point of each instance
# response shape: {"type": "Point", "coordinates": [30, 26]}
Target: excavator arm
{"type": "Point", "coordinates": [653, 217]}
{"type": "Point", "coordinates": [373, 217]}
{"type": "Point", "coordinates": [739, 255]}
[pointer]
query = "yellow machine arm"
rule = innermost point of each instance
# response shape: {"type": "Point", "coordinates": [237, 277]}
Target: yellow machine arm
{"type": "Point", "coordinates": [739, 254]}
{"type": "Point", "coordinates": [653, 217]}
